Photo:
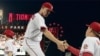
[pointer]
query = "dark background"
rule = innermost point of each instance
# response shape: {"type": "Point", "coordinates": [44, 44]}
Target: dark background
{"type": "Point", "coordinates": [73, 15]}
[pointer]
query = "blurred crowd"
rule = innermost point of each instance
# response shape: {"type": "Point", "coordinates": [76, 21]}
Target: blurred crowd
{"type": "Point", "coordinates": [16, 40]}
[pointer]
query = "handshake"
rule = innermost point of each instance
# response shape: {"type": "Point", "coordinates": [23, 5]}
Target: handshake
{"type": "Point", "coordinates": [62, 45]}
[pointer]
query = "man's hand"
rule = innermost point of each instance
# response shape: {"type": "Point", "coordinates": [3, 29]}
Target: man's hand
{"type": "Point", "coordinates": [66, 45]}
{"type": "Point", "coordinates": [61, 46]}
{"type": "Point", "coordinates": [50, 36]}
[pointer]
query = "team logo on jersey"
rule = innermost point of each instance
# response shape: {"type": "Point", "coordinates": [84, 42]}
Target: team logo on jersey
{"type": "Point", "coordinates": [85, 46]}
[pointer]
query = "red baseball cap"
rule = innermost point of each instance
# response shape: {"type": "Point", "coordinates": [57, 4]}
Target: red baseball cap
{"type": "Point", "coordinates": [95, 26]}
{"type": "Point", "coordinates": [9, 33]}
{"type": "Point", "coordinates": [48, 5]}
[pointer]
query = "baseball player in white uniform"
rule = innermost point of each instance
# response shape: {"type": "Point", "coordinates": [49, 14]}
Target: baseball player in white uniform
{"type": "Point", "coordinates": [9, 44]}
{"type": "Point", "coordinates": [36, 27]}
{"type": "Point", "coordinates": [91, 44]}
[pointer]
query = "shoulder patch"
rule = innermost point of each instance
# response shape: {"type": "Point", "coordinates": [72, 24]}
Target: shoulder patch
{"type": "Point", "coordinates": [85, 46]}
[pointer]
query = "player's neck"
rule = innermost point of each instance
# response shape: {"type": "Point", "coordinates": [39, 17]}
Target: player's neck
{"type": "Point", "coordinates": [91, 35]}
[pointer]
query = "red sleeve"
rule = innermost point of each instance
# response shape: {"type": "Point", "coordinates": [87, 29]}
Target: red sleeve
{"type": "Point", "coordinates": [87, 54]}
{"type": "Point", "coordinates": [43, 29]}
{"type": "Point", "coordinates": [73, 50]}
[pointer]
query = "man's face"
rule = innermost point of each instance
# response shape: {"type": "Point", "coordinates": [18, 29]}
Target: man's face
{"type": "Point", "coordinates": [88, 31]}
{"type": "Point", "coordinates": [46, 12]}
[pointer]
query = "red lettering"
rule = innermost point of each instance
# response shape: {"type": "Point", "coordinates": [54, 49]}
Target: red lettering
{"type": "Point", "coordinates": [17, 17]}
{"type": "Point", "coordinates": [26, 17]}
{"type": "Point", "coordinates": [10, 17]}
{"type": "Point", "coordinates": [22, 16]}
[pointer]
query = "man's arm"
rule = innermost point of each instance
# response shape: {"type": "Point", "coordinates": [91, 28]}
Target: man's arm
{"type": "Point", "coordinates": [51, 37]}
{"type": "Point", "coordinates": [75, 51]}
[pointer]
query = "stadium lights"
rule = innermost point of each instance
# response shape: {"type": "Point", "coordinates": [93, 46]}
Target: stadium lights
{"type": "Point", "coordinates": [1, 14]}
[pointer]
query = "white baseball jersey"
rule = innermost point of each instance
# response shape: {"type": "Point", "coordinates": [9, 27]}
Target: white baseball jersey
{"type": "Point", "coordinates": [33, 30]}
{"type": "Point", "coordinates": [33, 35]}
{"type": "Point", "coordinates": [91, 45]}
{"type": "Point", "coordinates": [9, 46]}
